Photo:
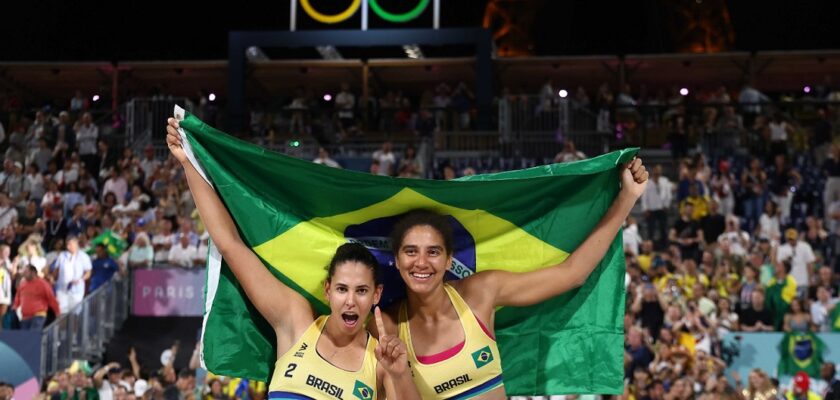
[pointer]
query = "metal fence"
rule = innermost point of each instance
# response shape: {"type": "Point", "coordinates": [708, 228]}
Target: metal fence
{"type": "Point", "coordinates": [716, 125]}
{"type": "Point", "coordinates": [145, 119]}
{"type": "Point", "coordinates": [533, 144]}
{"type": "Point", "coordinates": [83, 332]}
{"type": "Point", "coordinates": [518, 114]}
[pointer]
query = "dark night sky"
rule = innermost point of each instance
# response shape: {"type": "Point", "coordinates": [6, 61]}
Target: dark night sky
{"type": "Point", "coordinates": [147, 30]}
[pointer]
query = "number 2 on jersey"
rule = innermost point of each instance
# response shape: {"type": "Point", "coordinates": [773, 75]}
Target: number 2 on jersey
{"type": "Point", "coordinates": [291, 369]}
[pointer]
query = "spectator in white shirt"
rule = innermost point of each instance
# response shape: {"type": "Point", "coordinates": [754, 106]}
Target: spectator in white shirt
{"type": "Point", "coordinates": [570, 153]}
{"type": "Point", "coordinates": [34, 183]}
{"type": "Point", "coordinates": [386, 158]}
{"type": "Point", "coordinates": [345, 103]}
{"type": "Point", "coordinates": [149, 164]}
{"type": "Point", "coordinates": [185, 228]}
{"type": "Point", "coordinates": [141, 254]}
{"type": "Point", "coordinates": [739, 240]}
{"type": "Point", "coordinates": [768, 223]}
{"type": "Point", "coordinates": [163, 241]}
{"type": "Point", "coordinates": [324, 158]}
{"type": "Point", "coordinates": [71, 269]}
{"type": "Point", "coordinates": [821, 309]}
{"type": "Point", "coordinates": [87, 133]}
{"type": "Point", "coordinates": [7, 277]}
{"type": "Point", "coordinates": [182, 254]}
{"type": "Point", "coordinates": [13, 185]}
{"type": "Point", "coordinates": [631, 237]}
{"type": "Point", "coordinates": [67, 175]}
{"type": "Point", "coordinates": [8, 212]}
{"type": "Point", "coordinates": [801, 258]}
{"type": "Point", "coordinates": [201, 252]}
{"type": "Point", "coordinates": [656, 200]}
{"type": "Point", "coordinates": [125, 211]}
{"type": "Point", "coordinates": [116, 184]}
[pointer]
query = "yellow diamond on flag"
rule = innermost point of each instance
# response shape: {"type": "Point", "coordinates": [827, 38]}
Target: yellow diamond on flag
{"type": "Point", "coordinates": [303, 252]}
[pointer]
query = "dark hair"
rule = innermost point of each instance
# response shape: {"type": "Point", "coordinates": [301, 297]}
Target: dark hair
{"type": "Point", "coordinates": [186, 373]}
{"type": "Point", "coordinates": [787, 265]}
{"type": "Point", "coordinates": [358, 253]}
{"type": "Point", "coordinates": [422, 218]}
{"type": "Point", "coordinates": [775, 206]}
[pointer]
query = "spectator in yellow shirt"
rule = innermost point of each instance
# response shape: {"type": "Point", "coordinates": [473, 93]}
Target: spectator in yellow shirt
{"type": "Point", "coordinates": [699, 202]}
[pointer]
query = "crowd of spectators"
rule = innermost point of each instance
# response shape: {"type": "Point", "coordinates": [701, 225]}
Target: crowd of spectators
{"type": "Point", "coordinates": [733, 236]}
{"type": "Point", "coordinates": [745, 243]}
{"type": "Point", "coordinates": [64, 184]}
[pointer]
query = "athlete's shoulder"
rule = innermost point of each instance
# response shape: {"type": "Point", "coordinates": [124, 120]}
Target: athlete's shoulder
{"type": "Point", "coordinates": [481, 285]}
{"type": "Point", "coordinates": [478, 290]}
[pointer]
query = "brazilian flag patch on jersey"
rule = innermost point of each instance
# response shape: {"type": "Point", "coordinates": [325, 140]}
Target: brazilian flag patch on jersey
{"type": "Point", "coordinates": [482, 357]}
{"type": "Point", "coordinates": [362, 391]}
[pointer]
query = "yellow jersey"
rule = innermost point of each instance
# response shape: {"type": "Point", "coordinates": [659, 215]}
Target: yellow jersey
{"type": "Point", "coordinates": [465, 371]}
{"type": "Point", "coordinates": [302, 373]}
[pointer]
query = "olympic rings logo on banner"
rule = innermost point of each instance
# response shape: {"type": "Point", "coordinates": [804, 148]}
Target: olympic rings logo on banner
{"type": "Point", "coordinates": [374, 5]}
{"type": "Point", "coordinates": [330, 19]}
{"type": "Point", "coordinates": [398, 18]}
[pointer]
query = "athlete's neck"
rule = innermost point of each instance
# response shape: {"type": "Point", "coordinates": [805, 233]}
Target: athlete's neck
{"type": "Point", "coordinates": [429, 306]}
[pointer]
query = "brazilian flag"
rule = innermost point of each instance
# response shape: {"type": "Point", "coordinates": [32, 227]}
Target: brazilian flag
{"type": "Point", "coordinates": [800, 351]}
{"type": "Point", "coordinates": [834, 319]}
{"type": "Point", "coordinates": [114, 244]}
{"type": "Point", "coordinates": [779, 297]}
{"type": "Point", "coordinates": [294, 214]}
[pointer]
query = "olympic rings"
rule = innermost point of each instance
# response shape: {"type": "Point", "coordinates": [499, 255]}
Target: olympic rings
{"type": "Point", "coordinates": [330, 19]}
{"type": "Point", "coordinates": [398, 18]}
{"type": "Point", "coordinates": [354, 6]}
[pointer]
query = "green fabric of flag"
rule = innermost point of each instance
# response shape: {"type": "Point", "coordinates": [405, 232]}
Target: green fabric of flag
{"type": "Point", "coordinates": [294, 214]}
{"type": "Point", "coordinates": [778, 298]}
{"type": "Point", "coordinates": [114, 244]}
{"type": "Point", "coordinates": [834, 319]}
{"type": "Point", "coordinates": [800, 351]}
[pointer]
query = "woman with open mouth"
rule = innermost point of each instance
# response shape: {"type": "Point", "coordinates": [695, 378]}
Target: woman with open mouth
{"type": "Point", "coordinates": [318, 357]}
{"type": "Point", "coordinates": [448, 326]}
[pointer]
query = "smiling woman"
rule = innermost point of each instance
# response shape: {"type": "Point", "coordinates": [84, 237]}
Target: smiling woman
{"type": "Point", "coordinates": [448, 326]}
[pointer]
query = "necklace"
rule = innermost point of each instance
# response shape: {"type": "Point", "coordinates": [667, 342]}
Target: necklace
{"type": "Point", "coordinates": [336, 351]}
{"type": "Point", "coordinates": [54, 230]}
